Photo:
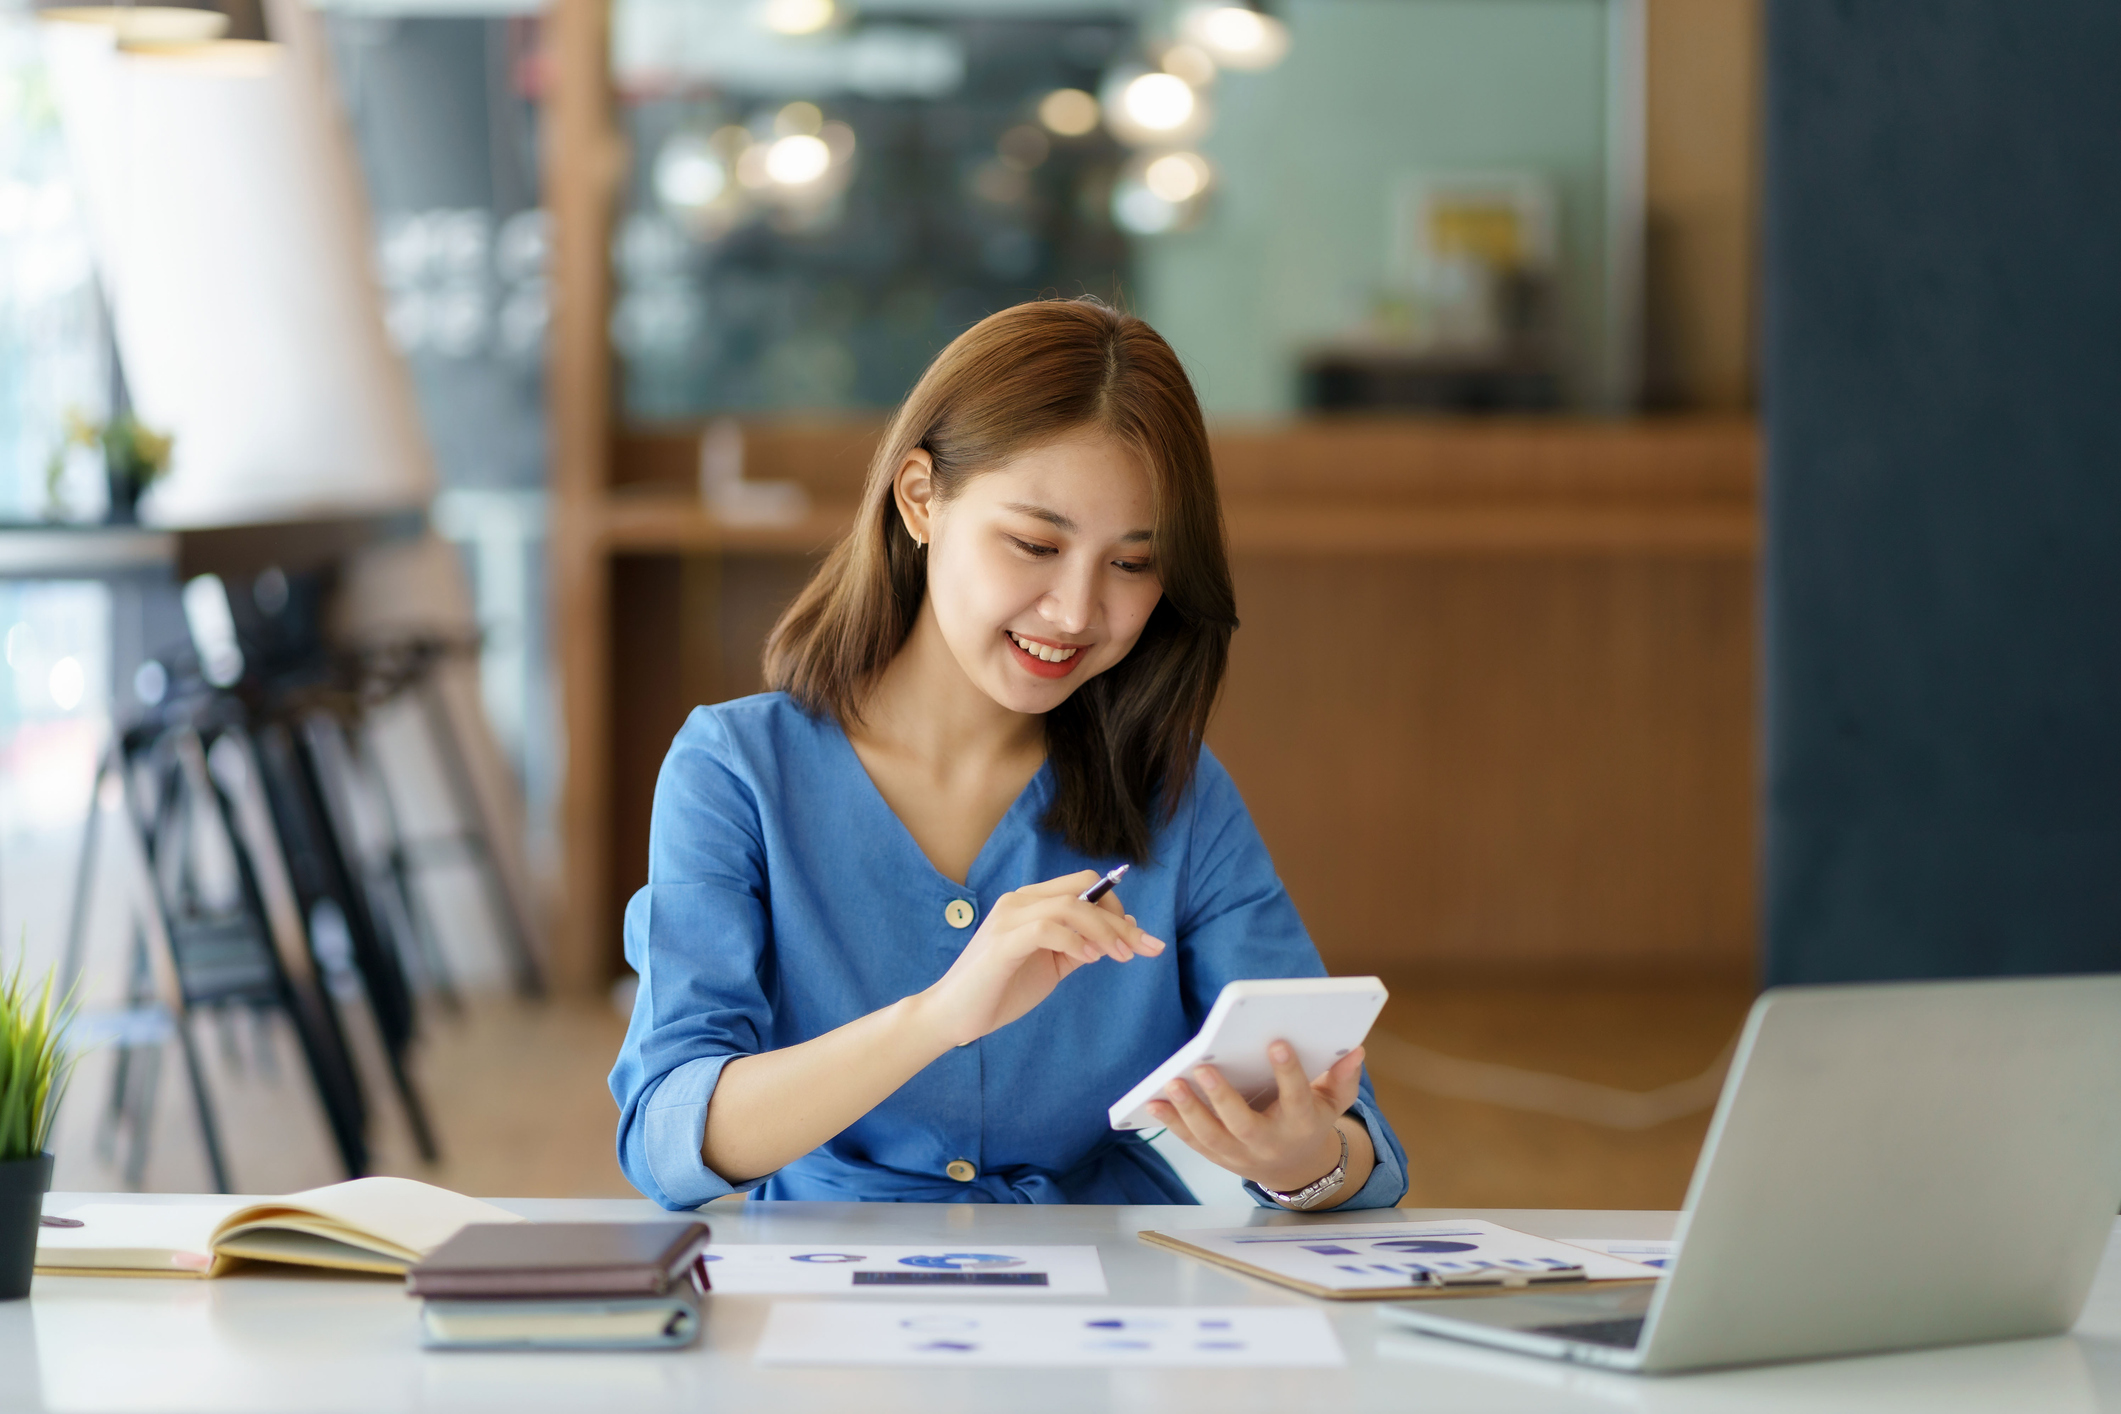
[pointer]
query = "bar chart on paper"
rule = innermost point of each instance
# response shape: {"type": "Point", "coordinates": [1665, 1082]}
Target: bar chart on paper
{"type": "Point", "coordinates": [792, 1269]}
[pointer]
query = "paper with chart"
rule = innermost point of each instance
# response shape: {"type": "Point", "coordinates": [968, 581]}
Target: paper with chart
{"type": "Point", "coordinates": [1650, 1251]}
{"type": "Point", "coordinates": [881, 1333]}
{"type": "Point", "coordinates": [1357, 1257]}
{"type": "Point", "coordinates": [944, 1268]}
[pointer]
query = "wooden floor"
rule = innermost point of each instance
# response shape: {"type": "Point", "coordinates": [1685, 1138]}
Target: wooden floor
{"type": "Point", "coordinates": [517, 1091]}
{"type": "Point", "coordinates": [1629, 1038]}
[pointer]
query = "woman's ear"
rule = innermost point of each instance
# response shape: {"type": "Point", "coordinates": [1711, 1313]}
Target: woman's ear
{"type": "Point", "coordinates": [913, 489]}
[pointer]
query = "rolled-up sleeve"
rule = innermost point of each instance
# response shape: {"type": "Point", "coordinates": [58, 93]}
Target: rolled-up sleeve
{"type": "Point", "coordinates": [699, 936]}
{"type": "Point", "coordinates": [1239, 922]}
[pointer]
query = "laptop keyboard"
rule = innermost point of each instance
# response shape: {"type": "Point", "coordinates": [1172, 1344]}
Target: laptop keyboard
{"type": "Point", "coordinates": [1626, 1332]}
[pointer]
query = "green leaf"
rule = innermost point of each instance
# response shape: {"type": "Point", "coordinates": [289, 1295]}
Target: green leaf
{"type": "Point", "coordinates": [35, 1063]}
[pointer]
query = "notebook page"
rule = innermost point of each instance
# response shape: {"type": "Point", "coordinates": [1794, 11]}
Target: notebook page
{"type": "Point", "coordinates": [175, 1237]}
{"type": "Point", "coordinates": [405, 1214]}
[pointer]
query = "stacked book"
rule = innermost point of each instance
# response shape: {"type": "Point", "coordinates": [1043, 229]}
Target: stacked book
{"type": "Point", "coordinates": [563, 1286]}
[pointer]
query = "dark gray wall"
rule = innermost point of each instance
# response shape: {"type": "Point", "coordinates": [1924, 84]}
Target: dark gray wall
{"type": "Point", "coordinates": [1942, 396]}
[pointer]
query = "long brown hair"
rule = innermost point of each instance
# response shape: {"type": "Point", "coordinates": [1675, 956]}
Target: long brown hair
{"type": "Point", "coordinates": [1124, 745]}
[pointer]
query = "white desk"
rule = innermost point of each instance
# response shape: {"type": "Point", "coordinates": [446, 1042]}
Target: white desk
{"type": "Point", "coordinates": [296, 1343]}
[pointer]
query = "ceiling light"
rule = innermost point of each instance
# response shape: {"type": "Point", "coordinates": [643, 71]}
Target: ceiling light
{"type": "Point", "coordinates": [1177, 176]}
{"type": "Point", "coordinates": [1068, 111]}
{"type": "Point", "coordinates": [688, 174]}
{"type": "Point", "coordinates": [798, 160]}
{"type": "Point", "coordinates": [1158, 102]}
{"type": "Point", "coordinates": [1236, 37]}
{"type": "Point", "coordinates": [798, 16]}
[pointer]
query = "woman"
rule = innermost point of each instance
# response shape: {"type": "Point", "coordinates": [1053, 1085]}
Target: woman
{"type": "Point", "coordinates": [865, 972]}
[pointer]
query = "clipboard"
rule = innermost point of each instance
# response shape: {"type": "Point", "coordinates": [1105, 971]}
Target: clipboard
{"type": "Point", "coordinates": [1311, 1258]}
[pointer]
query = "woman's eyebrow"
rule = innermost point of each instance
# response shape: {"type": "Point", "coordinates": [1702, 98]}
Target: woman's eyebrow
{"type": "Point", "coordinates": [1060, 522]}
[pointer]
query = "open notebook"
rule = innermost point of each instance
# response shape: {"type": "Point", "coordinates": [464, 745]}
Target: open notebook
{"type": "Point", "coordinates": [367, 1225]}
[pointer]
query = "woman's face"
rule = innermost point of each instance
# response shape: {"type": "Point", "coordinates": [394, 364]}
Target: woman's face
{"type": "Point", "coordinates": [1041, 572]}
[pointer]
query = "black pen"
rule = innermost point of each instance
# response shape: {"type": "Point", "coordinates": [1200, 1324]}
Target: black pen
{"type": "Point", "coordinates": [1102, 887]}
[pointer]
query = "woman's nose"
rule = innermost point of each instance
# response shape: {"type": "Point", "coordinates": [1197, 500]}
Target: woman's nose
{"type": "Point", "coordinates": [1070, 604]}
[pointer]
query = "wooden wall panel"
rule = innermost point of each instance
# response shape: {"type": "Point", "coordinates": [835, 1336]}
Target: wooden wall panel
{"type": "Point", "coordinates": [1474, 765]}
{"type": "Point", "coordinates": [685, 629]}
{"type": "Point", "coordinates": [1499, 720]}
{"type": "Point", "coordinates": [1701, 179]}
{"type": "Point", "coordinates": [582, 161]}
{"type": "Point", "coordinates": [649, 700]}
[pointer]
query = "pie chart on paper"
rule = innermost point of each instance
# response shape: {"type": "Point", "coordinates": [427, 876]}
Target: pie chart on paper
{"type": "Point", "coordinates": [962, 1261]}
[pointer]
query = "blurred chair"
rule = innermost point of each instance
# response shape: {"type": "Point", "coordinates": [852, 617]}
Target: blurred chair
{"type": "Point", "coordinates": [279, 879]}
{"type": "Point", "coordinates": [411, 667]}
{"type": "Point", "coordinates": [313, 844]}
{"type": "Point", "coordinates": [205, 943]}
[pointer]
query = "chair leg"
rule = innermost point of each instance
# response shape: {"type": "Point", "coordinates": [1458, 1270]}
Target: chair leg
{"type": "Point", "coordinates": [85, 873]}
{"type": "Point", "coordinates": [145, 1081]}
{"type": "Point", "coordinates": [265, 1053]}
{"type": "Point", "coordinates": [301, 986]}
{"type": "Point", "coordinates": [135, 1073]}
{"type": "Point", "coordinates": [477, 836]}
{"type": "Point", "coordinates": [423, 1136]}
{"type": "Point", "coordinates": [117, 1108]}
{"type": "Point", "coordinates": [202, 1102]}
{"type": "Point", "coordinates": [390, 1002]}
{"type": "Point", "coordinates": [406, 902]}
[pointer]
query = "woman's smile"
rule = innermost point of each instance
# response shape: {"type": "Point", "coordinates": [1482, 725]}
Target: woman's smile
{"type": "Point", "coordinates": [1043, 657]}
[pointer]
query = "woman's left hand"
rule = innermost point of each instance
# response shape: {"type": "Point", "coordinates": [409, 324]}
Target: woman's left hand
{"type": "Point", "coordinates": [1292, 1142]}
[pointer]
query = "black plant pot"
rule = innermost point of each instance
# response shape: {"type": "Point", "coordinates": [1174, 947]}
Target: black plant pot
{"type": "Point", "coordinates": [23, 1184]}
{"type": "Point", "coordinates": [125, 493]}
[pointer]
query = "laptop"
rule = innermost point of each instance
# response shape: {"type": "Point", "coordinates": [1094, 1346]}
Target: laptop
{"type": "Point", "coordinates": [1890, 1166]}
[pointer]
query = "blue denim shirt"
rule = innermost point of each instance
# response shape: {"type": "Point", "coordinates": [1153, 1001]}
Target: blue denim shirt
{"type": "Point", "coordinates": [785, 899]}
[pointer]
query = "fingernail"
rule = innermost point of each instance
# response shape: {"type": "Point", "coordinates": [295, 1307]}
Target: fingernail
{"type": "Point", "coordinates": [1208, 1079]}
{"type": "Point", "coordinates": [1280, 1051]}
{"type": "Point", "coordinates": [1177, 1090]}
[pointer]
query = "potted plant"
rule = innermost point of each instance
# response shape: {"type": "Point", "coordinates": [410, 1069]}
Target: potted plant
{"type": "Point", "coordinates": [134, 458]}
{"type": "Point", "coordinates": [33, 1070]}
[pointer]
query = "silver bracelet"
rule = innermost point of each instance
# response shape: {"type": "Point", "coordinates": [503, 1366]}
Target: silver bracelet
{"type": "Point", "coordinates": [1319, 1189]}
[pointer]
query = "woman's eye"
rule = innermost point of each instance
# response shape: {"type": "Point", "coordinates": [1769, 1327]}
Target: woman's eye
{"type": "Point", "coordinates": [1133, 566]}
{"type": "Point", "coordinates": [1030, 549]}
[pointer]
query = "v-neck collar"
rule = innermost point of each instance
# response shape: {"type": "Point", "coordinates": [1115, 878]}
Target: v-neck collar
{"type": "Point", "coordinates": [1027, 798]}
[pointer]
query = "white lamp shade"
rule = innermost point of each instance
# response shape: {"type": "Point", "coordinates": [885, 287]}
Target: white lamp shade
{"type": "Point", "coordinates": [232, 235]}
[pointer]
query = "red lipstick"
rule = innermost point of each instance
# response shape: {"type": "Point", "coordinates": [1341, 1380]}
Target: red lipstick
{"type": "Point", "coordinates": [1039, 667]}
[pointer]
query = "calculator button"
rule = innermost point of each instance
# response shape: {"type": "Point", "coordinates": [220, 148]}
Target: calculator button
{"type": "Point", "coordinates": [961, 1171]}
{"type": "Point", "coordinates": [958, 914]}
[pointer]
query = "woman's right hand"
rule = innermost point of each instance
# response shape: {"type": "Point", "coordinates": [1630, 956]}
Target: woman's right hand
{"type": "Point", "coordinates": [1030, 940]}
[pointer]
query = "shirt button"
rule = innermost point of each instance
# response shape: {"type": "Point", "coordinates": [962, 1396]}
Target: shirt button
{"type": "Point", "coordinates": [961, 1171]}
{"type": "Point", "coordinates": [958, 914]}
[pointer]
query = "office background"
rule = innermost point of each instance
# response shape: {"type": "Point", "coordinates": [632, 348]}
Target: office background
{"type": "Point", "coordinates": [1572, 697]}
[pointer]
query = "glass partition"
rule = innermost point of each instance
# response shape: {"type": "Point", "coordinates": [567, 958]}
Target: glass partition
{"type": "Point", "coordinates": [1325, 204]}
{"type": "Point", "coordinates": [810, 217]}
{"type": "Point", "coordinates": [54, 353]}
